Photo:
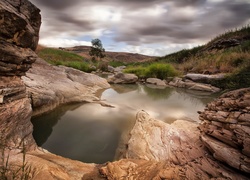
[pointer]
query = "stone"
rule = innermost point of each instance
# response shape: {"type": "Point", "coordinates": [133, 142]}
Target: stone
{"type": "Point", "coordinates": [122, 78]}
{"type": "Point", "coordinates": [111, 69]}
{"type": "Point", "coordinates": [156, 81]}
{"type": "Point", "coordinates": [228, 140]}
{"type": "Point", "coordinates": [49, 86]}
{"type": "Point", "coordinates": [119, 69]}
{"type": "Point", "coordinates": [20, 23]}
{"type": "Point", "coordinates": [190, 85]}
{"type": "Point", "coordinates": [156, 150]}
{"type": "Point", "coordinates": [204, 78]}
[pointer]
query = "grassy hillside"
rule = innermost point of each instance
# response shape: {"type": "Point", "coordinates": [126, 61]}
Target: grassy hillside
{"type": "Point", "coordinates": [60, 57]}
{"type": "Point", "coordinates": [226, 53]}
{"type": "Point", "coordinates": [115, 57]}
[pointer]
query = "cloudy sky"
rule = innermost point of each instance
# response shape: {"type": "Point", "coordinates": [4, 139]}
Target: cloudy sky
{"type": "Point", "coordinates": [151, 27]}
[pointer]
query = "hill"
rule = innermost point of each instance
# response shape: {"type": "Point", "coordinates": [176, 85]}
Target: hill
{"type": "Point", "coordinates": [227, 53]}
{"type": "Point", "coordinates": [123, 57]}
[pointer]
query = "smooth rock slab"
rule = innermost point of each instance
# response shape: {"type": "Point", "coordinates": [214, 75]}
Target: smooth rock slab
{"type": "Point", "coordinates": [49, 86]}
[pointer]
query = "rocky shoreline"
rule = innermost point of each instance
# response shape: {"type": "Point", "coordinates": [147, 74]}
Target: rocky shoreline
{"type": "Point", "coordinates": [198, 82]}
{"type": "Point", "coordinates": [155, 150]}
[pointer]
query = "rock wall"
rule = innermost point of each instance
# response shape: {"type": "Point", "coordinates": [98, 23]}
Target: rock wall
{"type": "Point", "coordinates": [19, 28]}
{"type": "Point", "coordinates": [226, 129]}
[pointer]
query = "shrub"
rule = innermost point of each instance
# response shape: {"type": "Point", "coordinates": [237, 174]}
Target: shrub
{"type": "Point", "coordinates": [160, 70]}
{"type": "Point", "coordinates": [156, 70]}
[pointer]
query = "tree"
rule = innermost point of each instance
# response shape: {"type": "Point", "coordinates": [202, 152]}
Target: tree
{"type": "Point", "coordinates": [97, 51]}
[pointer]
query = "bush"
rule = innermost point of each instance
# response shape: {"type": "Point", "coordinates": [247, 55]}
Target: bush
{"type": "Point", "coordinates": [160, 70]}
{"type": "Point", "coordinates": [156, 70]}
{"type": "Point", "coordinates": [239, 79]}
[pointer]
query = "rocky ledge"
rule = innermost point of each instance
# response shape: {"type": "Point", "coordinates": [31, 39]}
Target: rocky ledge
{"type": "Point", "coordinates": [49, 86]}
{"type": "Point", "coordinates": [226, 129]}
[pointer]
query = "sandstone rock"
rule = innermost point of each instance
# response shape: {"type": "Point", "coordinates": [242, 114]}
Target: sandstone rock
{"type": "Point", "coordinates": [204, 78]}
{"type": "Point", "coordinates": [156, 81]}
{"type": "Point", "coordinates": [20, 22]}
{"type": "Point", "coordinates": [50, 86]}
{"type": "Point", "coordinates": [121, 78]}
{"type": "Point", "coordinates": [226, 128]}
{"type": "Point", "coordinates": [111, 69]}
{"type": "Point", "coordinates": [157, 150]}
{"type": "Point", "coordinates": [119, 69]}
{"type": "Point", "coordinates": [190, 85]}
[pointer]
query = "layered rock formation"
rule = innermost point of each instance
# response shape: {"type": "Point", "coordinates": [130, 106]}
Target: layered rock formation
{"type": "Point", "coordinates": [226, 129]}
{"type": "Point", "coordinates": [20, 23]}
{"type": "Point", "coordinates": [49, 86]}
{"type": "Point", "coordinates": [157, 150]}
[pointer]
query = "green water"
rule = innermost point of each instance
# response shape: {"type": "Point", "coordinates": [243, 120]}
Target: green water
{"type": "Point", "coordinates": [91, 133]}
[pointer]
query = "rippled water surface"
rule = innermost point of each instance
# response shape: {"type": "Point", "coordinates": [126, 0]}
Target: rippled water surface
{"type": "Point", "coordinates": [91, 132]}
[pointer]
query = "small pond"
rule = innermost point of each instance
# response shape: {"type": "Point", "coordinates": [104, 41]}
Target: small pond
{"type": "Point", "coordinates": [92, 133]}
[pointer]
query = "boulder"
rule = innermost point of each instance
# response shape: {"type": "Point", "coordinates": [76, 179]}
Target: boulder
{"type": "Point", "coordinates": [204, 78]}
{"type": "Point", "coordinates": [121, 78]}
{"type": "Point", "coordinates": [111, 69]}
{"type": "Point", "coordinates": [119, 69]}
{"type": "Point", "coordinates": [225, 129]}
{"type": "Point", "coordinates": [190, 85]}
{"type": "Point", "coordinates": [156, 81]}
{"type": "Point", "coordinates": [49, 86]}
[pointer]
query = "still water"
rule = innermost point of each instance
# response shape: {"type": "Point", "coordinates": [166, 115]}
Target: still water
{"type": "Point", "coordinates": [90, 132]}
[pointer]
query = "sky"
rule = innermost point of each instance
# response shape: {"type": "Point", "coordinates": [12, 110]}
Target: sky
{"type": "Point", "coordinates": [150, 27]}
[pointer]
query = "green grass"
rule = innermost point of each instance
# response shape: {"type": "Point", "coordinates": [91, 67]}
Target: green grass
{"type": "Point", "coordinates": [154, 70]}
{"type": "Point", "coordinates": [117, 63]}
{"type": "Point", "coordinates": [59, 57]}
{"type": "Point", "coordinates": [229, 59]}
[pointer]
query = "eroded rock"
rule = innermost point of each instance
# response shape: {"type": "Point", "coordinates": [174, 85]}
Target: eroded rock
{"type": "Point", "coordinates": [190, 85]}
{"type": "Point", "coordinates": [226, 128]}
{"type": "Point", "coordinates": [156, 81]}
{"type": "Point", "coordinates": [50, 86]}
{"type": "Point", "coordinates": [157, 150]}
{"type": "Point", "coordinates": [122, 78]}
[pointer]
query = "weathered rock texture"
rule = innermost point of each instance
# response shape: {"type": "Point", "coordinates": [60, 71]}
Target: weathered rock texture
{"type": "Point", "coordinates": [121, 78]}
{"type": "Point", "coordinates": [155, 81]}
{"type": "Point", "coordinates": [19, 28]}
{"type": "Point", "coordinates": [188, 84]}
{"type": "Point", "coordinates": [226, 129]}
{"type": "Point", "coordinates": [157, 150]}
{"type": "Point", "coordinates": [204, 78]}
{"type": "Point", "coordinates": [49, 86]}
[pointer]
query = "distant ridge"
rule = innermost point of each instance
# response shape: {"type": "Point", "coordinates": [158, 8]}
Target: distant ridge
{"type": "Point", "coordinates": [110, 56]}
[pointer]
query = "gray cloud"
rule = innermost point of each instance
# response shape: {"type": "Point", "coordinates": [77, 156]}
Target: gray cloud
{"type": "Point", "coordinates": [178, 22]}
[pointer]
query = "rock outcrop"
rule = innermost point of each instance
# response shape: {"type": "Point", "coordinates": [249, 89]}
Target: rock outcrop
{"type": "Point", "coordinates": [204, 78]}
{"type": "Point", "coordinates": [190, 85]}
{"type": "Point", "coordinates": [49, 86]}
{"type": "Point", "coordinates": [20, 23]}
{"type": "Point", "coordinates": [156, 81]}
{"type": "Point", "coordinates": [226, 129]}
{"type": "Point", "coordinates": [121, 78]}
{"type": "Point", "coordinates": [157, 150]}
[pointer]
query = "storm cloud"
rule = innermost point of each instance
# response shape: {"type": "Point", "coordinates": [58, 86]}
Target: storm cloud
{"type": "Point", "coordinates": [145, 25]}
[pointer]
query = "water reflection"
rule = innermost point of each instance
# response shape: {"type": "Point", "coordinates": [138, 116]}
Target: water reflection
{"type": "Point", "coordinates": [91, 133]}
